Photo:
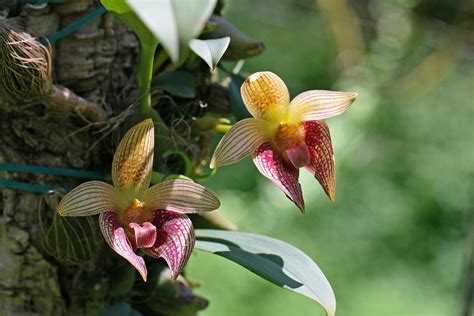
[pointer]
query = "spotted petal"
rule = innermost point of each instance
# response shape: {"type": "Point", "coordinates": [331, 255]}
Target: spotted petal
{"type": "Point", "coordinates": [175, 240]}
{"type": "Point", "coordinates": [266, 96]}
{"type": "Point", "coordinates": [319, 105]}
{"type": "Point", "coordinates": [117, 239]}
{"type": "Point", "coordinates": [318, 140]}
{"type": "Point", "coordinates": [133, 159]}
{"type": "Point", "coordinates": [239, 142]}
{"type": "Point", "coordinates": [281, 173]}
{"type": "Point", "coordinates": [180, 196]}
{"type": "Point", "coordinates": [89, 198]}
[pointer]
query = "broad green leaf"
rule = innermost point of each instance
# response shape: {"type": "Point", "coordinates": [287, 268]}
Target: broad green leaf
{"type": "Point", "coordinates": [241, 46]}
{"type": "Point", "coordinates": [273, 260]}
{"type": "Point", "coordinates": [211, 50]}
{"type": "Point", "coordinates": [236, 102]}
{"type": "Point", "coordinates": [174, 22]}
{"type": "Point", "coordinates": [124, 12]}
{"type": "Point", "coordinates": [122, 280]}
{"type": "Point", "coordinates": [180, 83]}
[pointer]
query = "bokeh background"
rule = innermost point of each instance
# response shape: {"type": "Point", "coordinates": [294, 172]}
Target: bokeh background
{"type": "Point", "coordinates": [397, 241]}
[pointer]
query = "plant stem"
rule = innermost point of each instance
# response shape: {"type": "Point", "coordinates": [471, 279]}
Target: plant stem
{"type": "Point", "coordinates": [148, 46]}
{"type": "Point", "coordinates": [145, 73]}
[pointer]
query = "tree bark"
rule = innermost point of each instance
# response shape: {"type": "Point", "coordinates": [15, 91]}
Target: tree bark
{"type": "Point", "coordinates": [97, 62]}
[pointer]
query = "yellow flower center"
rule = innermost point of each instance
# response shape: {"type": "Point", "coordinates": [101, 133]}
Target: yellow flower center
{"type": "Point", "coordinates": [289, 140]}
{"type": "Point", "coordinates": [288, 135]}
{"type": "Point", "coordinates": [136, 212]}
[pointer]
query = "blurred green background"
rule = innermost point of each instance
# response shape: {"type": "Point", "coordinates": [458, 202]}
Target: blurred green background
{"type": "Point", "coordinates": [397, 240]}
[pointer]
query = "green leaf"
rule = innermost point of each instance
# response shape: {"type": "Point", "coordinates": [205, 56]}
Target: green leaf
{"type": "Point", "coordinates": [211, 50]}
{"type": "Point", "coordinates": [122, 280]}
{"type": "Point", "coordinates": [273, 260]}
{"type": "Point", "coordinates": [241, 46]}
{"type": "Point", "coordinates": [236, 102]}
{"type": "Point", "coordinates": [180, 83]}
{"type": "Point", "coordinates": [124, 12]}
{"type": "Point", "coordinates": [174, 22]}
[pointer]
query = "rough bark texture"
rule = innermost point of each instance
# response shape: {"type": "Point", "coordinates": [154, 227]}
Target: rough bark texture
{"type": "Point", "coordinates": [97, 62]}
{"type": "Point", "coordinates": [32, 134]}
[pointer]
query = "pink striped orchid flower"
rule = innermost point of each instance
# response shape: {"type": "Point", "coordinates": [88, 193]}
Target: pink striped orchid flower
{"type": "Point", "coordinates": [134, 215]}
{"type": "Point", "coordinates": [284, 136]}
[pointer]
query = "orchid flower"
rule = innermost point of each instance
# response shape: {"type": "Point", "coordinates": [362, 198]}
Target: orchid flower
{"type": "Point", "coordinates": [134, 215]}
{"type": "Point", "coordinates": [284, 136]}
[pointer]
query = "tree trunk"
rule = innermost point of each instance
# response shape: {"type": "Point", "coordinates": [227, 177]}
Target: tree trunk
{"type": "Point", "coordinates": [41, 272]}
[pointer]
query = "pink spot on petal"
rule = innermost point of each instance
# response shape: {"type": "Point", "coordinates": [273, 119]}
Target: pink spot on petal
{"type": "Point", "coordinates": [318, 140]}
{"type": "Point", "coordinates": [115, 236]}
{"type": "Point", "coordinates": [282, 174]}
{"type": "Point", "coordinates": [175, 240]}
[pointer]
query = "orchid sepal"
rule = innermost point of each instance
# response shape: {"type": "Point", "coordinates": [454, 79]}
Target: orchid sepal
{"type": "Point", "coordinates": [89, 198]}
{"type": "Point", "coordinates": [239, 142]}
{"type": "Point", "coordinates": [133, 159]}
{"type": "Point", "coordinates": [180, 196]}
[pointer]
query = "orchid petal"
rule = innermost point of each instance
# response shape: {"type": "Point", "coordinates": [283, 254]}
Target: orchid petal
{"type": "Point", "coordinates": [175, 240]}
{"type": "Point", "coordinates": [320, 104]}
{"type": "Point", "coordinates": [281, 173]}
{"type": "Point", "coordinates": [89, 198]}
{"type": "Point", "coordinates": [180, 196]}
{"type": "Point", "coordinates": [318, 140]}
{"type": "Point", "coordinates": [239, 142]}
{"type": "Point", "coordinates": [133, 159]}
{"type": "Point", "coordinates": [145, 235]}
{"type": "Point", "coordinates": [117, 239]}
{"type": "Point", "coordinates": [266, 96]}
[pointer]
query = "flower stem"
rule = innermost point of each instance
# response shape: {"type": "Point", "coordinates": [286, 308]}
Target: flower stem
{"type": "Point", "coordinates": [145, 73]}
{"type": "Point", "coordinates": [148, 46]}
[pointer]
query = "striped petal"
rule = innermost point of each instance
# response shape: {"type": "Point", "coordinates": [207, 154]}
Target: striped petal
{"type": "Point", "coordinates": [319, 105]}
{"type": "Point", "coordinates": [175, 240]}
{"type": "Point", "coordinates": [281, 173]}
{"type": "Point", "coordinates": [266, 96]}
{"type": "Point", "coordinates": [239, 142]}
{"type": "Point", "coordinates": [89, 198]}
{"type": "Point", "coordinates": [319, 144]}
{"type": "Point", "coordinates": [180, 196]}
{"type": "Point", "coordinates": [117, 239]}
{"type": "Point", "coordinates": [133, 160]}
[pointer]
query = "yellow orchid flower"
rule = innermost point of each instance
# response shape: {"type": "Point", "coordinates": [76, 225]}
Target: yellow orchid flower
{"type": "Point", "coordinates": [134, 215]}
{"type": "Point", "coordinates": [284, 136]}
